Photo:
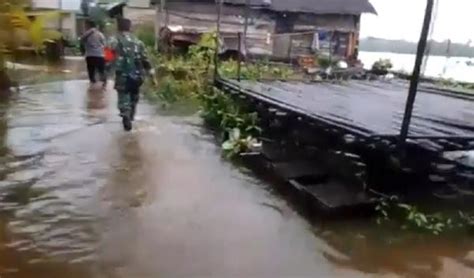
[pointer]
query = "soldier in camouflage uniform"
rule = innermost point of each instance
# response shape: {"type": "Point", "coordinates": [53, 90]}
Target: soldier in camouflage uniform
{"type": "Point", "coordinates": [131, 66]}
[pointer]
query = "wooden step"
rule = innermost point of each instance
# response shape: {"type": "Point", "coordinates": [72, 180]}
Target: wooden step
{"type": "Point", "coordinates": [299, 170]}
{"type": "Point", "coordinates": [334, 196]}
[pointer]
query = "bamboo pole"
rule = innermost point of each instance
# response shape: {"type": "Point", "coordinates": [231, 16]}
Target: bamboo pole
{"type": "Point", "coordinates": [216, 54]}
{"type": "Point", "coordinates": [239, 58]}
{"type": "Point", "coordinates": [416, 74]}
{"type": "Point", "coordinates": [246, 23]}
{"type": "Point", "coordinates": [158, 22]}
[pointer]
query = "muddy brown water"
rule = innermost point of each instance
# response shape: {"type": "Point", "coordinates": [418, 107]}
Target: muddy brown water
{"type": "Point", "coordinates": [81, 198]}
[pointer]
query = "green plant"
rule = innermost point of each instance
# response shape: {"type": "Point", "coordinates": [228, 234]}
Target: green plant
{"type": "Point", "coordinates": [410, 217]}
{"type": "Point", "coordinates": [255, 71]}
{"type": "Point", "coordinates": [435, 224]}
{"type": "Point", "coordinates": [17, 30]}
{"type": "Point", "coordinates": [237, 143]}
{"type": "Point", "coordinates": [382, 65]}
{"type": "Point", "coordinates": [185, 77]}
{"type": "Point", "coordinates": [325, 61]}
{"type": "Point", "coordinates": [205, 48]}
{"type": "Point", "coordinates": [146, 33]}
{"type": "Point", "coordinates": [468, 220]}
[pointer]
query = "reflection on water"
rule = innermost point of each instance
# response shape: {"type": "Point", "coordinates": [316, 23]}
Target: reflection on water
{"type": "Point", "coordinates": [377, 250]}
{"type": "Point", "coordinates": [81, 198]}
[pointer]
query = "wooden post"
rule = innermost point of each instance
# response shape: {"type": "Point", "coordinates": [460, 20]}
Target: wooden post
{"type": "Point", "coordinates": [239, 58]}
{"type": "Point", "coordinates": [416, 74]}
{"type": "Point", "coordinates": [290, 47]}
{"type": "Point", "coordinates": [330, 50]}
{"type": "Point", "coordinates": [167, 15]}
{"type": "Point", "coordinates": [246, 23]}
{"type": "Point", "coordinates": [159, 10]}
{"type": "Point", "coordinates": [216, 54]}
{"type": "Point", "coordinates": [60, 20]}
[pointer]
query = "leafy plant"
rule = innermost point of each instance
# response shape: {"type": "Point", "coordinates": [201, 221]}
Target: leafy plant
{"type": "Point", "coordinates": [409, 217]}
{"type": "Point", "coordinates": [17, 30]}
{"type": "Point", "coordinates": [255, 71]}
{"type": "Point", "coordinates": [146, 33]}
{"type": "Point", "coordinates": [435, 224]}
{"type": "Point", "coordinates": [382, 65]}
{"type": "Point", "coordinates": [237, 144]}
{"type": "Point", "coordinates": [325, 61]}
{"type": "Point", "coordinates": [187, 77]}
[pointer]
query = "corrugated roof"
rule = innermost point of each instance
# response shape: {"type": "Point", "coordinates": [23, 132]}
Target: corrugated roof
{"type": "Point", "coordinates": [252, 2]}
{"type": "Point", "coordinates": [313, 6]}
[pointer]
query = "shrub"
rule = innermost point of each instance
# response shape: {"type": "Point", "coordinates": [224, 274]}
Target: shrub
{"type": "Point", "coordinates": [146, 33]}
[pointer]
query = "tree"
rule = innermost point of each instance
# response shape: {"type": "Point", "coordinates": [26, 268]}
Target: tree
{"type": "Point", "coordinates": [17, 29]}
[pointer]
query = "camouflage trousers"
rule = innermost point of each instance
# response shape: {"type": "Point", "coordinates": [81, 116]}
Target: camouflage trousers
{"type": "Point", "coordinates": [128, 96]}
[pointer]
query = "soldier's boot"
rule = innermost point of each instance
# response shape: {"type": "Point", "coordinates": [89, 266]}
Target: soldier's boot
{"type": "Point", "coordinates": [126, 120]}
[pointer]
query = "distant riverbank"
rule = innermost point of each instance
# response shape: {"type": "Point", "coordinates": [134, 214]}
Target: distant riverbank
{"type": "Point", "coordinates": [405, 47]}
{"type": "Point", "coordinates": [455, 68]}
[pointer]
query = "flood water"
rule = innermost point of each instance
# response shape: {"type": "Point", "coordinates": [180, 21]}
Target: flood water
{"type": "Point", "coordinates": [81, 198]}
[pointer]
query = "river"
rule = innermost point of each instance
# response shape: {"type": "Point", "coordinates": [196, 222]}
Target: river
{"type": "Point", "coordinates": [81, 198]}
{"type": "Point", "coordinates": [455, 68]}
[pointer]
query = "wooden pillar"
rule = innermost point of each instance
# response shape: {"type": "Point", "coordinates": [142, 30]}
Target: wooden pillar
{"type": "Point", "coordinates": [159, 10]}
{"type": "Point", "coordinates": [246, 24]}
{"type": "Point", "coordinates": [239, 58]}
{"type": "Point", "coordinates": [218, 33]}
{"type": "Point", "coordinates": [416, 74]}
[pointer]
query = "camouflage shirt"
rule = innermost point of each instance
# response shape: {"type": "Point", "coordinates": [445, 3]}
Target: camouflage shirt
{"type": "Point", "coordinates": [132, 60]}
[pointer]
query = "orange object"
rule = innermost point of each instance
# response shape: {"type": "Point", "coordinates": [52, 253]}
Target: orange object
{"type": "Point", "coordinates": [109, 55]}
{"type": "Point", "coordinates": [306, 61]}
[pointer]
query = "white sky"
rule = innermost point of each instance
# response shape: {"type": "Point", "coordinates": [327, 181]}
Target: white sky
{"type": "Point", "coordinates": [402, 19]}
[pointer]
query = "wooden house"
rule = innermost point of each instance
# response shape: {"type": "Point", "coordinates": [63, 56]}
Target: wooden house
{"type": "Point", "coordinates": [278, 28]}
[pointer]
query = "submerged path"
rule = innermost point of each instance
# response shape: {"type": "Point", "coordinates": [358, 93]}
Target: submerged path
{"type": "Point", "coordinates": [81, 198]}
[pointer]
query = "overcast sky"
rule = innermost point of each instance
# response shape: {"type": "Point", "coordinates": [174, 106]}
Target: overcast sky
{"type": "Point", "coordinates": [402, 19]}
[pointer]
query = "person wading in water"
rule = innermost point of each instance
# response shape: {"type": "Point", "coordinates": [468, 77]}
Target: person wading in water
{"type": "Point", "coordinates": [131, 65]}
{"type": "Point", "coordinates": [92, 46]}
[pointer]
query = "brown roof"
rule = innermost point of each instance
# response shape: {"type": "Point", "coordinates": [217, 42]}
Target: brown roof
{"type": "Point", "coordinates": [312, 6]}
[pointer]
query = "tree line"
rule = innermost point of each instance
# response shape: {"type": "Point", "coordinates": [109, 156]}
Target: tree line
{"type": "Point", "coordinates": [405, 47]}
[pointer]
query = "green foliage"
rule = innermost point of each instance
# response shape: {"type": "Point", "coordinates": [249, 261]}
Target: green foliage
{"type": "Point", "coordinates": [146, 33]}
{"type": "Point", "coordinates": [325, 61]}
{"type": "Point", "coordinates": [17, 29]}
{"type": "Point", "coordinates": [236, 144]}
{"type": "Point", "coordinates": [181, 77]}
{"type": "Point", "coordinates": [187, 77]}
{"type": "Point", "coordinates": [172, 90]}
{"type": "Point", "coordinates": [451, 83]}
{"type": "Point", "coordinates": [255, 71]}
{"type": "Point", "coordinates": [241, 128]}
{"type": "Point", "coordinates": [205, 47]}
{"type": "Point", "coordinates": [468, 220]}
{"type": "Point", "coordinates": [220, 110]}
{"type": "Point", "coordinates": [382, 65]}
{"type": "Point", "coordinates": [409, 217]}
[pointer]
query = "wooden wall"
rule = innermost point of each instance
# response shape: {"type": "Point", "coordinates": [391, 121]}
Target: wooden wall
{"type": "Point", "coordinates": [202, 17]}
{"type": "Point", "coordinates": [268, 33]}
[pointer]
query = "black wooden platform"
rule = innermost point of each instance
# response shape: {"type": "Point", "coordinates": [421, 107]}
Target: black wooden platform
{"type": "Point", "coordinates": [441, 121]}
{"type": "Point", "coordinates": [359, 121]}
